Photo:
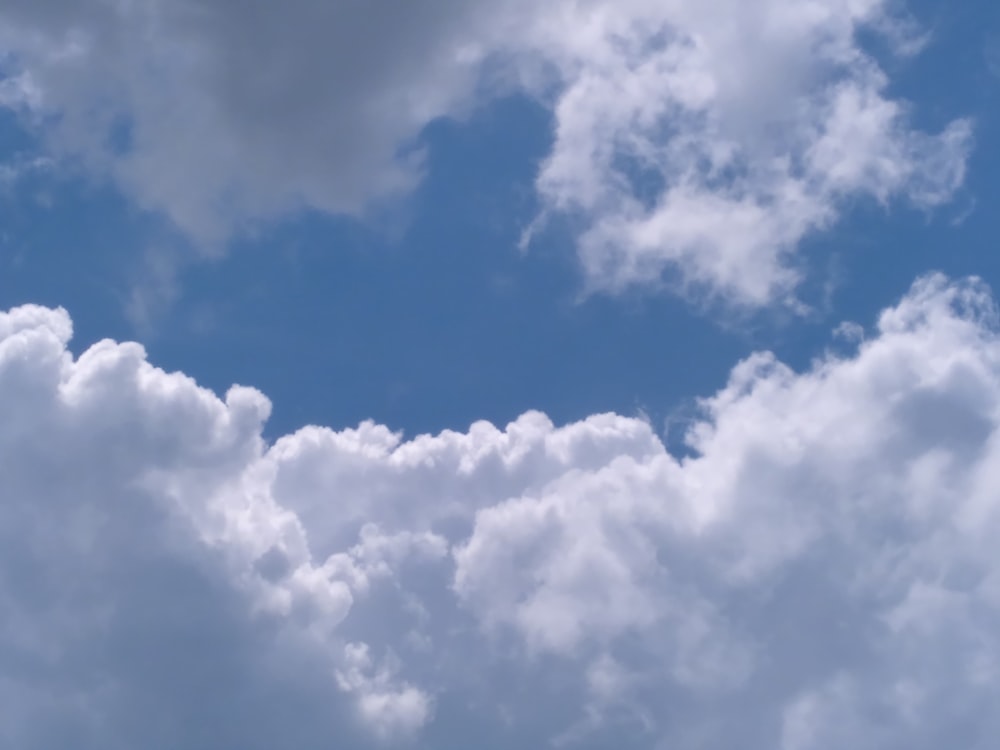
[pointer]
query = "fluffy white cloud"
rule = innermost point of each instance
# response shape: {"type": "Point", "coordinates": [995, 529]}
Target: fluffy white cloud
{"type": "Point", "coordinates": [701, 141]}
{"type": "Point", "coordinates": [707, 140]}
{"type": "Point", "coordinates": [821, 573]}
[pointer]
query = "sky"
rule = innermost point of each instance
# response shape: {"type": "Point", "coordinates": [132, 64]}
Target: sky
{"type": "Point", "coordinates": [570, 374]}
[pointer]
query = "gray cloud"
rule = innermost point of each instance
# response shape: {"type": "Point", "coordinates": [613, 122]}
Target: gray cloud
{"type": "Point", "coordinates": [702, 141]}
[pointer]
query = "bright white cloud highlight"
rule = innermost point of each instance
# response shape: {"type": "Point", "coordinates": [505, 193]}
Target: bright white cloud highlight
{"type": "Point", "coordinates": [821, 574]}
{"type": "Point", "coordinates": [700, 142]}
{"type": "Point", "coordinates": [706, 140]}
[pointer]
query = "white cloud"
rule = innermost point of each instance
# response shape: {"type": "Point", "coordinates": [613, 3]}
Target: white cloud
{"type": "Point", "coordinates": [707, 140]}
{"type": "Point", "coordinates": [703, 140]}
{"type": "Point", "coordinates": [820, 574]}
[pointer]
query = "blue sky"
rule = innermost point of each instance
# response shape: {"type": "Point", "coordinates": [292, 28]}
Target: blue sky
{"type": "Point", "coordinates": [374, 303]}
{"type": "Point", "coordinates": [625, 235]}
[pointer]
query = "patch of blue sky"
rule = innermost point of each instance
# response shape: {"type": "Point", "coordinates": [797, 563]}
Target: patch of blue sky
{"type": "Point", "coordinates": [431, 318]}
{"type": "Point", "coordinates": [428, 324]}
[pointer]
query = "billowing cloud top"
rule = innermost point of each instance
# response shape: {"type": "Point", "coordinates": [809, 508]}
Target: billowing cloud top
{"type": "Point", "coordinates": [701, 141]}
{"type": "Point", "coordinates": [820, 573]}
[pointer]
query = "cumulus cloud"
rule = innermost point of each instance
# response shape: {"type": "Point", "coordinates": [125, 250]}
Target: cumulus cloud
{"type": "Point", "coordinates": [704, 141]}
{"type": "Point", "coordinates": [819, 573]}
{"type": "Point", "coordinates": [701, 142]}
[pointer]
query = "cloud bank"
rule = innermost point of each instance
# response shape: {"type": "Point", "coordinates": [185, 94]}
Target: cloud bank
{"type": "Point", "coordinates": [699, 143]}
{"type": "Point", "coordinates": [819, 574]}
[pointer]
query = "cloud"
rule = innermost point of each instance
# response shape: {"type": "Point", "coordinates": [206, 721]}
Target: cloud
{"type": "Point", "coordinates": [705, 141]}
{"type": "Point", "coordinates": [223, 113]}
{"type": "Point", "coordinates": [701, 142]}
{"type": "Point", "coordinates": [819, 573]}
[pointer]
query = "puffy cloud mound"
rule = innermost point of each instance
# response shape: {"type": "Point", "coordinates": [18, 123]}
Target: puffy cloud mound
{"type": "Point", "coordinates": [820, 573]}
{"type": "Point", "coordinates": [702, 141]}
